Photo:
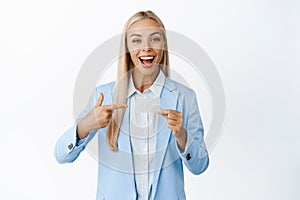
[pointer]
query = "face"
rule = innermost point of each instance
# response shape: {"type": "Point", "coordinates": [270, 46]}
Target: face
{"type": "Point", "coordinates": [145, 44]}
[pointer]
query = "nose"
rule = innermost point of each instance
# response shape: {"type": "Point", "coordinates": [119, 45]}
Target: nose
{"type": "Point", "coordinates": [146, 47]}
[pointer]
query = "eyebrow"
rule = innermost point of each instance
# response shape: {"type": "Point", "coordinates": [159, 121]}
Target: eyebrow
{"type": "Point", "coordinates": [155, 33]}
{"type": "Point", "coordinates": [135, 34]}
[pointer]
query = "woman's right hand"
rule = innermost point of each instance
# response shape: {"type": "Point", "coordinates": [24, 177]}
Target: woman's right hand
{"type": "Point", "coordinates": [98, 117]}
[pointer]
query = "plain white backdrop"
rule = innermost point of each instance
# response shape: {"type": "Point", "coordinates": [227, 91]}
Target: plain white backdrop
{"type": "Point", "coordinates": [254, 45]}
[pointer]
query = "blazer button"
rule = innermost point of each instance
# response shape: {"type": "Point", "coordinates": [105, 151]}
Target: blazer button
{"type": "Point", "coordinates": [70, 146]}
{"type": "Point", "coordinates": [188, 156]}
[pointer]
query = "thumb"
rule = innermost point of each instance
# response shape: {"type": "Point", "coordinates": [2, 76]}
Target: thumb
{"type": "Point", "coordinates": [100, 100]}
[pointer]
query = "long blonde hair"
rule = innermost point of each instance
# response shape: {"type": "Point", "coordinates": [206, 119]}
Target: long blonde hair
{"type": "Point", "coordinates": [125, 65]}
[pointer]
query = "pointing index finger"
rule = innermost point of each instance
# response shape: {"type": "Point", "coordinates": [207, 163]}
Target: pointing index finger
{"type": "Point", "coordinates": [118, 106]}
{"type": "Point", "coordinates": [163, 112]}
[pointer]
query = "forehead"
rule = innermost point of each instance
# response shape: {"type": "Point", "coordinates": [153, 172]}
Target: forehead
{"type": "Point", "coordinates": [146, 26]}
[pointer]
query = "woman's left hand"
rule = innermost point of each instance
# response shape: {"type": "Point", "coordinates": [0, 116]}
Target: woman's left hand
{"type": "Point", "coordinates": [175, 123]}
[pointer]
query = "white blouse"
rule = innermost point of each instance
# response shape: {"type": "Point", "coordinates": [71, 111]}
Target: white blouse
{"type": "Point", "coordinates": [143, 130]}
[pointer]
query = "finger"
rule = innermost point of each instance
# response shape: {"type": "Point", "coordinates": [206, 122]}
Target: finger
{"type": "Point", "coordinates": [163, 112]}
{"type": "Point", "coordinates": [100, 100]}
{"type": "Point", "coordinates": [165, 115]}
{"type": "Point", "coordinates": [108, 111]}
{"type": "Point", "coordinates": [172, 127]}
{"type": "Point", "coordinates": [172, 122]}
{"type": "Point", "coordinates": [107, 108]}
{"type": "Point", "coordinates": [167, 111]}
{"type": "Point", "coordinates": [108, 117]}
{"type": "Point", "coordinates": [173, 116]}
{"type": "Point", "coordinates": [118, 106]}
{"type": "Point", "coordinates": [170, 114]}
{"type": "Point", "coordinates": [114, 106]}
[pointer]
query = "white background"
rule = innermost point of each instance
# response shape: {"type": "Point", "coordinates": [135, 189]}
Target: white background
{"type": "Point", "coordinates": [254, 45]}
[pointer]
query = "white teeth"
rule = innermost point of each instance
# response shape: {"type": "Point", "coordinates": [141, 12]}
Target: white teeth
{"type": "Point", "coordinates": [146, 57]}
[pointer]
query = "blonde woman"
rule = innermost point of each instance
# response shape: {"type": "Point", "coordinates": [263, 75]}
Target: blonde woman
{"type": "Point", "coordinates": [141, 148]}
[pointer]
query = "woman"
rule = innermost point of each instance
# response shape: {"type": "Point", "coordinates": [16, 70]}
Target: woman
{"type": "Point", "coordinates": [141, 148]}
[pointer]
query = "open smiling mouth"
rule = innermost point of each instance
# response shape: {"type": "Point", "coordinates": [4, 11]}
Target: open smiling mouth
{"type": "Point", "coordinates": [146, 60]}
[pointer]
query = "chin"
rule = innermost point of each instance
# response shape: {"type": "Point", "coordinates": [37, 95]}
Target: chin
{"type": "Point", "coordinates": [148, 70]}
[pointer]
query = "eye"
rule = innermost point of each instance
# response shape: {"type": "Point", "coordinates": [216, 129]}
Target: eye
{"type": "Point", "coordinates": [136, 41]}
{"type": "Point", "coordinates": [156, 39]}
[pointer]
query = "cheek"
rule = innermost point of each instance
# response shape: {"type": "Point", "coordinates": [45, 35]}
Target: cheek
{"type": "Point", "coordinates": [159, 54]}
{"type": "Point", "coordinates": [132, 52]}
{"type": "Point", "coordinates": [133, 56]}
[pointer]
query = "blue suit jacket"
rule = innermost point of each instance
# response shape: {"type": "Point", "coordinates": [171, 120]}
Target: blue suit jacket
{"type": "Point", "coordinates": [115, 172]}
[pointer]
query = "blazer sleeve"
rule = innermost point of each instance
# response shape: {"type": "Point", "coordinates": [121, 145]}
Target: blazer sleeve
{"type": "Point", "coordinates": [68, 146]}
{"type": "Point", "coordinates": [195, 155]}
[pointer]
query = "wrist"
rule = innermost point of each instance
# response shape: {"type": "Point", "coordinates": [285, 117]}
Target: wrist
{"type": "Point", "coordinates": [82, 129]}
{"type": "Point", "coordinates": [181, 139]}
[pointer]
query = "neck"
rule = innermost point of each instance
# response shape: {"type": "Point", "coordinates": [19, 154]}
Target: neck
{"type": "Point", "coordinates": [142, 81]}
